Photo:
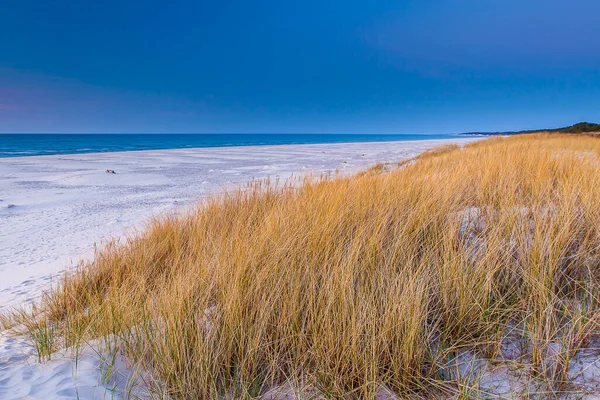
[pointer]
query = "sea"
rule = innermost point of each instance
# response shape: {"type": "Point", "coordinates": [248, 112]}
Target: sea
{"type": "Point", "coordinates": [18, 145]}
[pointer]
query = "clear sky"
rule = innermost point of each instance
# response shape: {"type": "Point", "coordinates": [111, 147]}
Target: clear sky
{"type": "Point", "coordinates": [415, 66]}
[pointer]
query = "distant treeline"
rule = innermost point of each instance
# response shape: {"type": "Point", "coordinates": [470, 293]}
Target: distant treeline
{"type": "Point", "coordinates": [580, 127]}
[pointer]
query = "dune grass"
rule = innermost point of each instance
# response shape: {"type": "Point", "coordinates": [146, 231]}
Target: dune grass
{"type": "Point", "coordinates": [351, 284]}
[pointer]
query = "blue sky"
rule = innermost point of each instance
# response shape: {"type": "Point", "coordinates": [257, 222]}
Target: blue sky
{"type": "Point", "coordinates": [311, 66]}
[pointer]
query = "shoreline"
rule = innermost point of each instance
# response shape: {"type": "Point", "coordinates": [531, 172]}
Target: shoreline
{"type": "Point", "coordinates": [218, 141]}
{"type": "Point", "coordinates": [451, 139]}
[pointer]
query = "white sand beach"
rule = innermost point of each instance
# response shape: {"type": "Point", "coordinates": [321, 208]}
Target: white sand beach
{"type": "Point", "coordinates": [55, 209]}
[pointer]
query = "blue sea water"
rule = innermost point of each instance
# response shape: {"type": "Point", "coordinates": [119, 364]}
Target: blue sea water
{"type": "Point", "coordinates": [16, 145]}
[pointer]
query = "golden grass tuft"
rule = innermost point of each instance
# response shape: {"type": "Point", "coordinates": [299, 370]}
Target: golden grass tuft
{"type": "Point", "coordinates": [354, 283]}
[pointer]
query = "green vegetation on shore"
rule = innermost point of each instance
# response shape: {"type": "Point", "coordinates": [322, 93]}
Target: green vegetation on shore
{"type": "Point", "coordinates": [343, 286]}
{"type": "Point", "coordinates": [581, 127]}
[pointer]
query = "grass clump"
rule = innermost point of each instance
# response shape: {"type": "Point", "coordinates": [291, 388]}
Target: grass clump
{"type": "Point", "coordinates": [357, 283]}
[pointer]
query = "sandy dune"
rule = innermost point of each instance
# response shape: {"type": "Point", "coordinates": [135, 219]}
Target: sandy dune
{"type": "Point", "coordinates": [55, 209]}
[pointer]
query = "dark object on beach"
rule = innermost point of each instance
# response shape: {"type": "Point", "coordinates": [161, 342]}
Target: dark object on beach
{"type": "Point", "coordinates": [10, 206]}
{"type": "Point", "coordinates": [110, 171]}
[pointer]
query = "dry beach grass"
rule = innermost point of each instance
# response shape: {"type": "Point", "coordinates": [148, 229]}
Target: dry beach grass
{"type": "Point", "coordinates": [346, 286]}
